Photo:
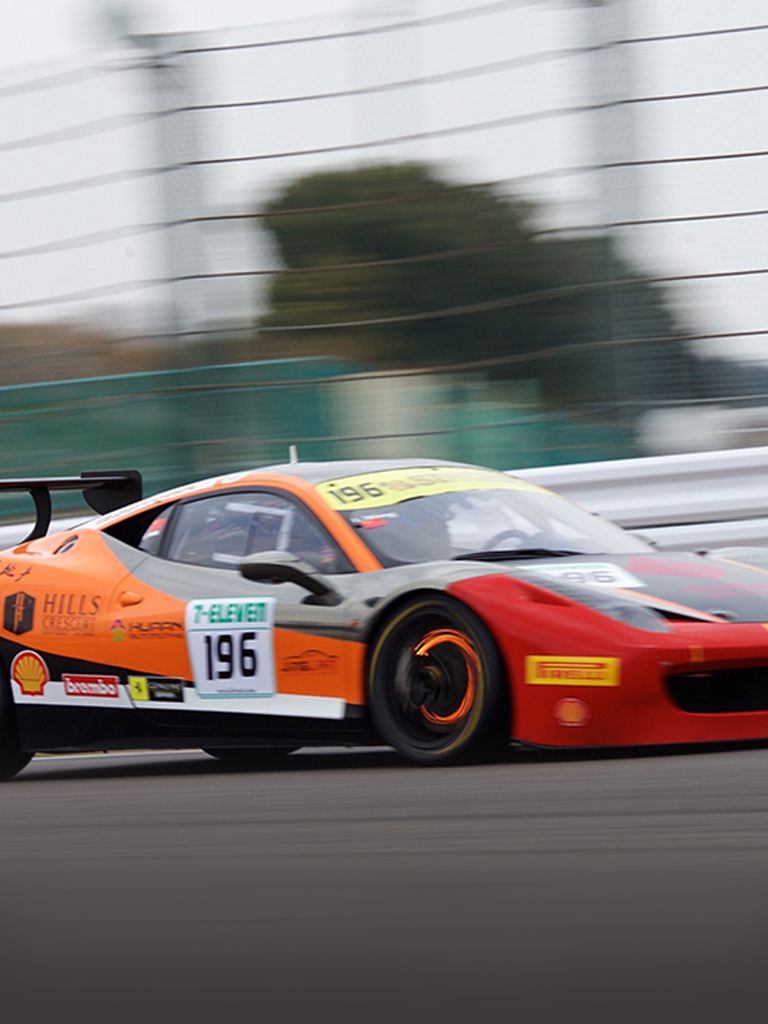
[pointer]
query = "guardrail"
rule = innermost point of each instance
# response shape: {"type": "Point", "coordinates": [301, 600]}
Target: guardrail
{"type": "Point", "coordinates": [14, 533]}
{"type": "Point", "coordinates": [689, 502]}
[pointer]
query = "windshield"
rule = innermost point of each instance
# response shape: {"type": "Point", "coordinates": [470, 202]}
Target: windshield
{"type": "Point", "coordinates": [442, 512]}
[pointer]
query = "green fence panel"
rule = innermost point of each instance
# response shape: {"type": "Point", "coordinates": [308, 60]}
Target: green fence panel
{"type": "Point", "coordinates": [180, 425]}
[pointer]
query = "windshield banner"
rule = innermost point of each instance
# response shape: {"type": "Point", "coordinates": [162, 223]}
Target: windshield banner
{"type": "Point", "coordinates": [390, 486]}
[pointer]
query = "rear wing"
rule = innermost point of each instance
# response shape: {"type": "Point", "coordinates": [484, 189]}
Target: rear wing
{"type": "Point", "coordinates": [104, 492]}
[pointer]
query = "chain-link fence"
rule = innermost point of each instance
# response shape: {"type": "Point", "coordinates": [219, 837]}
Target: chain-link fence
{"type": "Point", "coordinates": [509, 232]}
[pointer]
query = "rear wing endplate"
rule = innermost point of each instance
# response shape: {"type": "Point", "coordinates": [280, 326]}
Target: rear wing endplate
{"type": "Point", "coordinates": [104, 492]}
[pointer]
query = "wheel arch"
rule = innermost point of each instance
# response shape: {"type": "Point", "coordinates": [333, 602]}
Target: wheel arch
{"type": "Point", "coordinates": [387, 609]}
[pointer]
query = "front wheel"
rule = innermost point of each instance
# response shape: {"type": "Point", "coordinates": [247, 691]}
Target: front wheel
{"type": "Point", "coordinates": [437, 687]}
{"type": "Point", "coordinates": [12, 757]}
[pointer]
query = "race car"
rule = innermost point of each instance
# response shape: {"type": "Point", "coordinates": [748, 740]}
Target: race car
{"type": "Point", "coordinates": [443, 609]}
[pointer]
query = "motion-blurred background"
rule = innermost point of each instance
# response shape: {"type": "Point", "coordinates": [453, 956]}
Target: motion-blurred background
{"type": "Point", "coordinates": [516, 232]}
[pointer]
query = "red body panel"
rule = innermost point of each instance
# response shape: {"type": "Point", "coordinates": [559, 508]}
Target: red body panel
{"type": "Point", "coordinates": [639, 710]}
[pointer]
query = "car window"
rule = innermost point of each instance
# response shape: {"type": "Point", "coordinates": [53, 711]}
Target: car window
{"type": "Point", "coordinates": [449, 512]}
{"type": "Point", "coordinates": [150, 539]}
{"type": "Point", "coordinates": [222, 529]}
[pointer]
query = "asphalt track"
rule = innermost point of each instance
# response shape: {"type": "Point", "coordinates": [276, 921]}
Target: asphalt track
{"type": "Point", "coordinates": [348, 886]}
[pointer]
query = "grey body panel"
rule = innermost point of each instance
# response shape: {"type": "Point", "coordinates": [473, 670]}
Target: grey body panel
{"type": "Point", "coordinates": [364, 595]}
{"type": "Point", "coordinates": [703, 584]}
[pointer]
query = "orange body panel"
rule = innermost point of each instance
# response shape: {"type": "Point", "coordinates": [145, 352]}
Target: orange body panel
{"type": "Point", "coordinates": [79, 612]}
{"type": "Point", "coordinates": [319, 667]}
{"type": "Point", "coordinates": [88, 606]}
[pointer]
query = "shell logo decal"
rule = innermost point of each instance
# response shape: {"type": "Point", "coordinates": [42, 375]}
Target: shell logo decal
{"type": "Point", "coordinates": [30, 673]}
{"type": "Point", "coordinates": [572, 712]}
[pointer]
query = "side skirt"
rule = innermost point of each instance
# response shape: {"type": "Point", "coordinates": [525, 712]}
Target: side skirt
{"type": "Point", "coordinates": [50, 729]}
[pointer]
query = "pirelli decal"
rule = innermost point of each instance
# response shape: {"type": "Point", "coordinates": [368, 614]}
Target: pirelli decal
{"type": "Point", "coordinates": [552, 670]}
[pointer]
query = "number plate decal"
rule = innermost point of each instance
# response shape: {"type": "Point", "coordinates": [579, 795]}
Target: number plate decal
{"type": "Point", "coordinates": [230, 642]}
{"type": "Point", "coordinates": [596, 574]}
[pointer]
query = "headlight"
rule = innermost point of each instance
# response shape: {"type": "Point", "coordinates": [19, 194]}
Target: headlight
{"type": "Point", "coordinates": [636, 615]}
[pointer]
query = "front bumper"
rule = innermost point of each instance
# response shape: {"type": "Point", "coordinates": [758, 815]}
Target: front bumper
{"type": "Point", "coordinates": [607, 684]}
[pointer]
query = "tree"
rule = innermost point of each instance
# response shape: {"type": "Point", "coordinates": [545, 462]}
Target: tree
{"type": "Point", "coordinates": [442, 273]}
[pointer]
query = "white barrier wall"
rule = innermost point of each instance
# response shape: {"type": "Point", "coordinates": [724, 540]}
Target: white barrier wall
{"type": "Point", "coordinates": [685, 501]}
{"type": "Point", "coordinates": [14, 533]}
{"type": "Point", "coordinates": [704, 487]}
{"type": "Point", "coordinates": [681, 501]}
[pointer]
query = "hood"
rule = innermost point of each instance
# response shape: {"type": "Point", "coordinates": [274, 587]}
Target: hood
{"type": "Point", "coordinates": [677, 585]}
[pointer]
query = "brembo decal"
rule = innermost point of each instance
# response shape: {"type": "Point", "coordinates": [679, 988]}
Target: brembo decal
{"type": "Point", "coordinates": [91, 686]}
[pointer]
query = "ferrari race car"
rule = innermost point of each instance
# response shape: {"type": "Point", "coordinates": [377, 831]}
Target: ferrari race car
{"type": "Point", "coordinates": [441, 608]}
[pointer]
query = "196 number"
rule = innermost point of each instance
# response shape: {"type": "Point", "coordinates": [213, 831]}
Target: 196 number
{"type": "Point", "coordinates": [349, 493]}
{"type": "Point", "coordinates": [224, 658]}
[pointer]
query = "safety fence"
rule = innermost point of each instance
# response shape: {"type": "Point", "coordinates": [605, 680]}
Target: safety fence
{"type": "Point", "coordinates": [181, 425]}
{"type": "Point", "coordinates": [139, 203]}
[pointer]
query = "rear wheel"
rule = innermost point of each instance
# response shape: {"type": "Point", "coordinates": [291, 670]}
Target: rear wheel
{"type": "Point", "coordinates": [248, 757]}
{"type": "Point", "coordinates": [437, 687]}
{"type": "Point", "coordinates": [12, 758]}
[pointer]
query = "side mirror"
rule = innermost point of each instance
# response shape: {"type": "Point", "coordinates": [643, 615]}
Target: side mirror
{"type": "Point", "coordinates": [285, 567]}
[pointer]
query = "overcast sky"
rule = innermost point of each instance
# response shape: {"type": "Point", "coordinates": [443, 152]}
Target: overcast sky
{"type": "Point", "coordinates": [39, 31]}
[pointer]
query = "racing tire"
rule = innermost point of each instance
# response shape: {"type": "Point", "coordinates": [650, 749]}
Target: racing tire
{"type": "Point", "coordinates": [12, 757]}
{"type": "Point", "coordinates": [437, 689]}
{"type": "Point", "coordinates": [248, 757]}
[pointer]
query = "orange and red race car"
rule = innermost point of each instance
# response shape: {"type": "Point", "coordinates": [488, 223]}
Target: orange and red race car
{"type": "Point", "coordinates": [441, 608]}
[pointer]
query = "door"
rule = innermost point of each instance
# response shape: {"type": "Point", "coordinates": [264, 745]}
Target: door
{"type": "Point", "coordinates": [202, 639]}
